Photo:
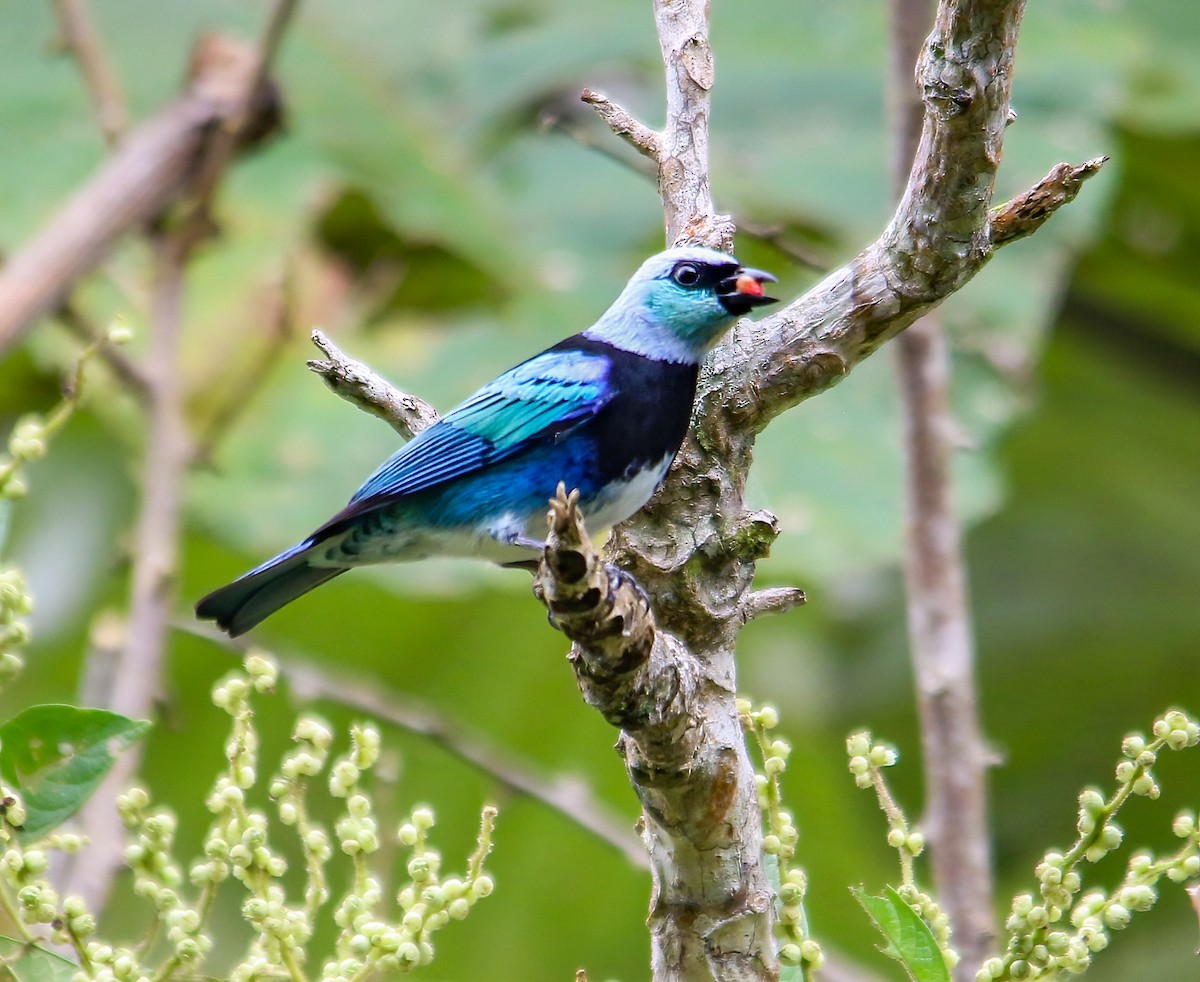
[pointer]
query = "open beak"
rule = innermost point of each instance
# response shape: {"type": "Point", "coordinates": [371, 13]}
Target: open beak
{"type": "Point", "coordinates": [743, 291]}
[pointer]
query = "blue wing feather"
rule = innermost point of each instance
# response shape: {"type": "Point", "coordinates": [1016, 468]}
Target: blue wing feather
{"type": "Point", "coordinates": [544, 395]}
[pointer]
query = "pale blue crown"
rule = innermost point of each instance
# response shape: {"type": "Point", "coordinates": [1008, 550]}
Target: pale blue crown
{"type": "Point", "coordinates": [659, 318]}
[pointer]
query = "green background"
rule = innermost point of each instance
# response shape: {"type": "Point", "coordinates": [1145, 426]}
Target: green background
{"type": "Point", "coordinates": [427, 217]}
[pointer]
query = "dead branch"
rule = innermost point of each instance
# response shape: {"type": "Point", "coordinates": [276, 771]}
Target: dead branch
{"type": "Point", "coordinates": [358, 384]}
{"type": "Point", "coordinates": [1027, 212]}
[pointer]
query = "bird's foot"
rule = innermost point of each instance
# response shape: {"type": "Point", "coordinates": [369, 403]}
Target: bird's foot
{"type": "Point", "coordinates": [618, 577]}
{"type": "Point", "coordinates": [525, 542]}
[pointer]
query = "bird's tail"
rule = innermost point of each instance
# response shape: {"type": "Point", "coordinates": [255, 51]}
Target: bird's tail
{"type": "Point", "coordinates": [238, 606]}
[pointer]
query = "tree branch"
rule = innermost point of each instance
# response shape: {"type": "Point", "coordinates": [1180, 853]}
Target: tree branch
{"type": "Point", "coordinates": [694, 547]}
{"type": "Point", "coordinates": [772, 600]}
{"type": "Point", "coordinates": [570, 798]}
{"type": "Point", "coordinates": [601, 609]}
{"type": "Point", "coordinates": [255, 109]}
{"type": "Point", "coordinates": [237, 82]}
{"type": "Point", "coordinates": [638, 135]}
{"type": "Point", "coordinates": [153, 166]}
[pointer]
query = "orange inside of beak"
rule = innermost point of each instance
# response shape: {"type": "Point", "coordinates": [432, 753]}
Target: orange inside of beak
{"type": "Point", "coordinates": [748, 284]}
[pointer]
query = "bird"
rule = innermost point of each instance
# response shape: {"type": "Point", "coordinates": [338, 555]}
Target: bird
{"type": "Point", "coordinates": [604, 411]}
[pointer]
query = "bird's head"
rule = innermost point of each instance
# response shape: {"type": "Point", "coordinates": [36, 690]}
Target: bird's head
{"type": "Point", "coordinates": [680, 302]}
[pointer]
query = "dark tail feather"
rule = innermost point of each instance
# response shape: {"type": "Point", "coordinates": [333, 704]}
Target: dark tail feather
{"type": "Point", "coordinates": [238, 606]}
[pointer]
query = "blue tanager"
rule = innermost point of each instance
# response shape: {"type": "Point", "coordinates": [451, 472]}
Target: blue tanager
{"type": "Point", "coordinates": [604, 411]}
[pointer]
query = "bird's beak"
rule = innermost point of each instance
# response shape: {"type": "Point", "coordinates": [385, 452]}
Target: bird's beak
{"type": "Point", "coordinates": [743, 291]}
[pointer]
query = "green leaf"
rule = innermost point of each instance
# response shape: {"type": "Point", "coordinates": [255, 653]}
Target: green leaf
{"type": "Point", "coordinates": [28, 963]}
{"type": "Point", "coordinates": [909, 939]}
{"type": "Point", "coordinates": [55, 756]}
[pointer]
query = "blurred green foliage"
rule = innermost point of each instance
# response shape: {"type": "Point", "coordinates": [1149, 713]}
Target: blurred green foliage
{"type": "Point", "coordinates": [424, 215]}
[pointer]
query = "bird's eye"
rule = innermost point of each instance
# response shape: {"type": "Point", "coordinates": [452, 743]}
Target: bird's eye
{"type": "Point", "coordinates": [685, 274]}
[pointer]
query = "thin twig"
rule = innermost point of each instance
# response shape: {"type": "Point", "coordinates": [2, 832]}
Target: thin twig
{"type": "Point", "coordinates": [135, 682]}
{"type": "Point", "coordinates": [129, 372]}
{"type": "Point", "coordinates": [570, 797]}
{"type": "Point", "coordinates": [564, 123]}
{"type": "Point", "coordinates": [939, 620]}
{"type": "Point", "coordinates": [772, 600]}
{"type": "Point", "coordinates": [774, 235]}
{"type": "Point", "coordinates": [240, 391]}
{"type": "Point", "coordinates": [80, 37]}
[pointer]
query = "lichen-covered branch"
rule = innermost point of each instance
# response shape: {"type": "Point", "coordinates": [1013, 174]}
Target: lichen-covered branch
{"type": "Point", "coordinates": [685, 754]}
{"type": "Point", "coordinates": [695, 546]}
{"type": "Point", "coordinates": [939, 237]}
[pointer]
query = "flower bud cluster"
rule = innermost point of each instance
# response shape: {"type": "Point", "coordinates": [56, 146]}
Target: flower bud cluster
{"type": "Point", "coordinates": [356, 830]}
{"type": "Point", "coordinates": [23, 870]}
{"type": "Point", "coordinates": [289, 788]}
{"type": "Point", "coordinates": [27, 440]}
{"type": "Point", "coordinates": [15, 606]}
{"type": "Point", "coordinates": [283, 931]}
{"type": "Point", "coordinates": [1059, 931]}
{"type": "Point", "coordinates": [237, 845]}
{"type": "Point", "coordinates": [157, 877]}
{"type": "Point", "coordinates": [780, 838]}
{"type": "Point", "coordinates": [12, 814]}
{"type": "Point", "coordinates": [796, 946]}
{"type": "Point", "coordinates": [238, 841]}
{"type": "Point", "coordinates": [867, 757]}
{"type": "Point", "coordinates": [109, 964]}
{"type": "Point", "coordinates": [368, 942]}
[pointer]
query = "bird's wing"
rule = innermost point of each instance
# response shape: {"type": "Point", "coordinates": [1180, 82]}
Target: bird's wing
{"type": "Point", "coordinates": [541, 397]}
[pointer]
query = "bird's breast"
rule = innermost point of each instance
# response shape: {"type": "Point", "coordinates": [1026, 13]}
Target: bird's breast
{"type": "Point", "coordinates": [621, 499]}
